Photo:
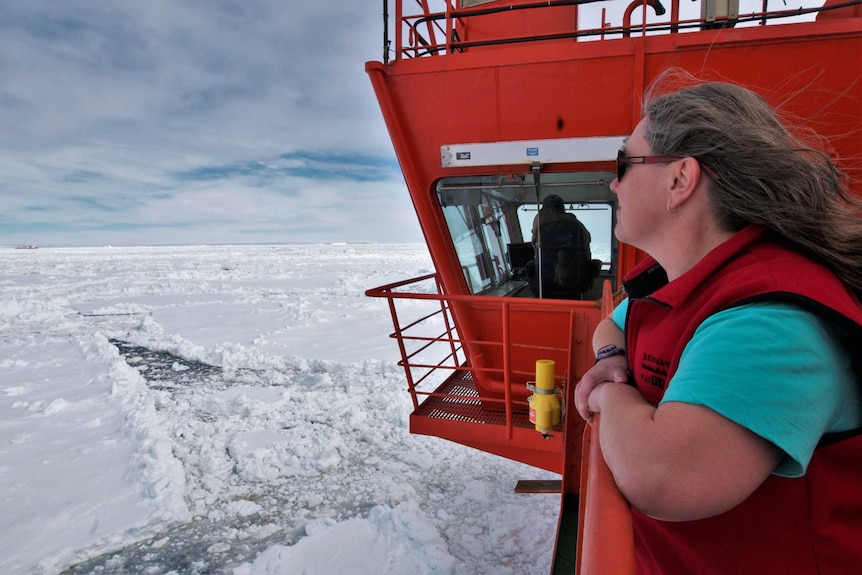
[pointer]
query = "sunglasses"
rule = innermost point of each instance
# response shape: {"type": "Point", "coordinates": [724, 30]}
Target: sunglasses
{"type": "Point", "coordinates": [624, 161]}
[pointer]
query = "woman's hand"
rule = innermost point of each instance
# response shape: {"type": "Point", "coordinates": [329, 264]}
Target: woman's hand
{"type": "Point", "coordinates": [613, 369]}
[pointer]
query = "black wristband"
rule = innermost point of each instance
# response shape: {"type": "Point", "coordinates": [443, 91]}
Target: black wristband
{"type": "Point", "coordinates": [609, 351]}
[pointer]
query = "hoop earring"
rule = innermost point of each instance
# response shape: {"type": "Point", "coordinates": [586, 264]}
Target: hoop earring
{"type": "Point", "coordinates": [670, 211]}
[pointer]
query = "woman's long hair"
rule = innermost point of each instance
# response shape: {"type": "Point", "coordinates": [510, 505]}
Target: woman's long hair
{"type": "Point", "coordinates": [764, 174]}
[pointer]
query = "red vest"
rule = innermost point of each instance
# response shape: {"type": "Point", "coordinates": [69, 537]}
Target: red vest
{"type": "Point", "coordinates": [807, 525]}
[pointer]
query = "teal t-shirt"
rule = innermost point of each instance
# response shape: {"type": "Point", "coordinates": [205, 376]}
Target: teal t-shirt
{"type": "Point", "coordinates": [773, 368]}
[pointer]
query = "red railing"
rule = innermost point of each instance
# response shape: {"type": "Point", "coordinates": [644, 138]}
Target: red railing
{"type": "Point", "coordinates": [417, 368]}
{"type": "Point", "coordinates": [432, 348]}
{"type": "Point", "coordinates": [439, 27]}
{"type": "Point", "coordinates": [605, 535]}
{"type": "Point", "coordinates": [421, 43]}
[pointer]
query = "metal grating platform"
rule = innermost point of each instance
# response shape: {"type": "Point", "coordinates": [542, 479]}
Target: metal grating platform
{"type": "Point", "coordinates": [457, 400]}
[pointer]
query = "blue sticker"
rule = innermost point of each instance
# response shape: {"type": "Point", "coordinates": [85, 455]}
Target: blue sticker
{"type": "Point", "coordinates": [532, 151]}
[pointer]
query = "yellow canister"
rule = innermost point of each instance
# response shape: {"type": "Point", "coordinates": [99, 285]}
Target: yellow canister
{"type": "Point", "coordinates": [545, 409]}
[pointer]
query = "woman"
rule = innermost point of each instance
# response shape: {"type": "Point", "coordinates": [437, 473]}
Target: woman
{"type": "Point", "coordinates": [727, 380]}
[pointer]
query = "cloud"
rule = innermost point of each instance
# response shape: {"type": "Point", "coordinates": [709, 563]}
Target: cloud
{"type": "Point", "coordinates": [173, 121]}
{"type": "Point", "coordinates": [309, 165]}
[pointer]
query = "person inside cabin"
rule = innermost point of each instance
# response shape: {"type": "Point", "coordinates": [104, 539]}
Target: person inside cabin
{"type": "Point", "coordinates": [728, 381]}
{"type": "Point", "coordinates": [561, 244]}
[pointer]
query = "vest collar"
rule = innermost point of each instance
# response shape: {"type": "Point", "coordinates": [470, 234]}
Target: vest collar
{"type": "Point", "coordinates": [649, 278]}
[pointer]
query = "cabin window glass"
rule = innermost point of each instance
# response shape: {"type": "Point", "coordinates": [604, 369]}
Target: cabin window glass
{"type": "Point", "coordinates": [464, 226]}
{"type": "Point", "coordinates": [490, 218]}
{"type": "Point", "coordinates": [496, 238]}
{"type": "Point", "coordinates": [597, 217]}
{"type": "Point", "coordinates": [479, 233]}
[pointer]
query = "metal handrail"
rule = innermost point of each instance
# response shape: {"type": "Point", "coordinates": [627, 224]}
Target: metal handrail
{"type": "Point", "coordinates": [452, 357]}
{"type": "Point", "coordinates": [604, 517]}
{"type": "Point", "coordinates": [421, 46]}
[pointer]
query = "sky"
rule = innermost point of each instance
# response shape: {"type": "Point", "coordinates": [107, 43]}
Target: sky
{"type": "Point", "coordinates": [194, 122]}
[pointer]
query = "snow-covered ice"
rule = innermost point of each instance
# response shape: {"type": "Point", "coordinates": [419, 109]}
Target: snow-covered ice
{"type": "Point", "coordinates": [233, 410]}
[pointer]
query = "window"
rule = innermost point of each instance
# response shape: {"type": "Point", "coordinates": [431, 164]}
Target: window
{"type": "Point", "coordinates": [490, 222]}
{"type": "Point", "coordinates": [597, 217]}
